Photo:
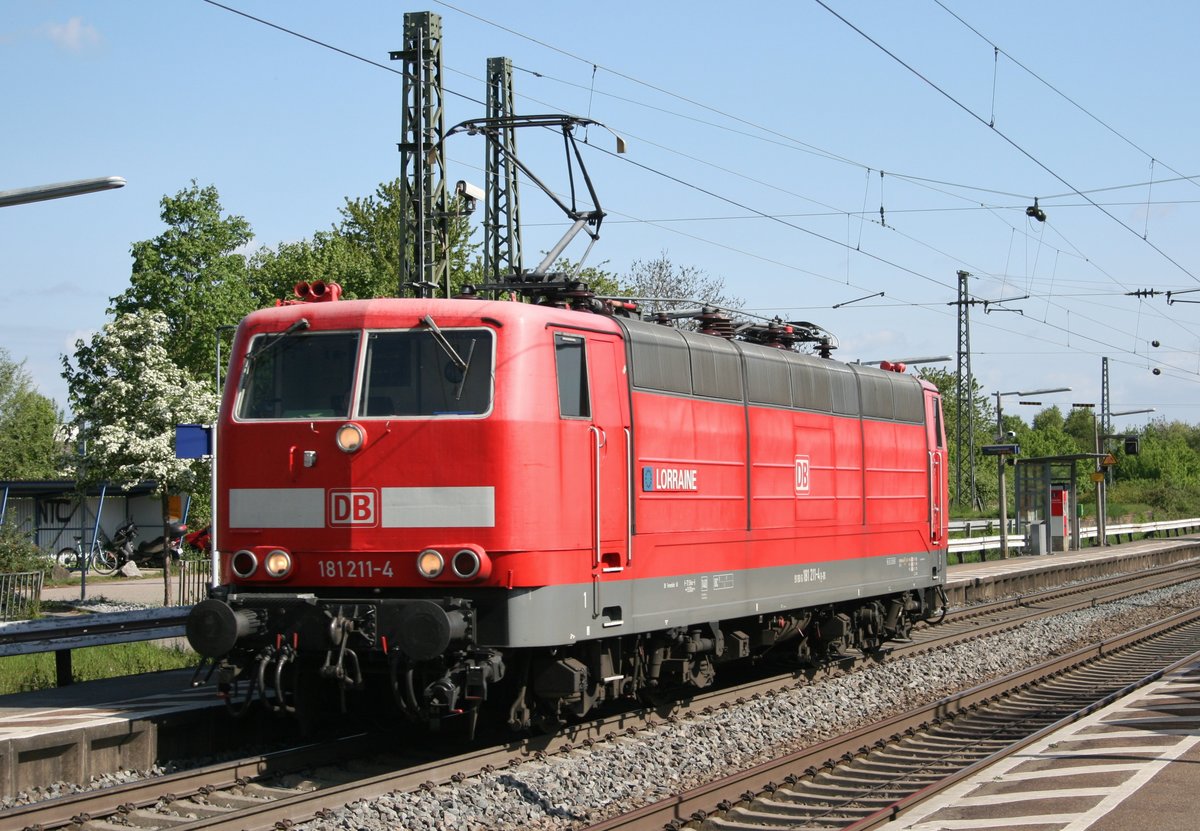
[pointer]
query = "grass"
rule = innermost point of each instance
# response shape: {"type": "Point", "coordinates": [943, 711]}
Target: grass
{"type": "Point", "coordinates": [27, 673]}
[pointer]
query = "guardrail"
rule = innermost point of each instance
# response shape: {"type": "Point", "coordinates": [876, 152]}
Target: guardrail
{"type": "Point", "coordinates": [61, 635]}
{"type": "Point", "coordinates": [969, 545]}
{"type": "Point", "coordinates": [991, 542]}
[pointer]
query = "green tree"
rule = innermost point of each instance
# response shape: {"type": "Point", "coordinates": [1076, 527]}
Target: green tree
{"type": "Point", "coordinates": [361, 252]}
{"type": "Point", "coordinates": [29, 448]}
{"type": "Point", "coordinates": [1047, 436]}
{"type": "Point", "coordinates": [372, 224]}
{"type": "Point", "coordinates": [128, 395]}
{"type": "Point", "coordinates": [327, 256]}
{"type": "Point", "coordinates": [984, 416]}
{"type": "Point", "coordinates": [1081, 425]}
{"type": "Point", "coordinates": [193, 274]}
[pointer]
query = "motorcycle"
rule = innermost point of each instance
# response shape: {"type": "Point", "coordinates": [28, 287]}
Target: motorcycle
{"type": "Point", "coordinates": [148, 553]}
{"type": "Point", "coordinates": [200, 540]}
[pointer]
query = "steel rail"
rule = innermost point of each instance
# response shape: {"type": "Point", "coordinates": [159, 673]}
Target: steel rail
{"type": "Point", "coordinates": [893, 811]}
{"type": "Point", "coordinates": [721, 795]}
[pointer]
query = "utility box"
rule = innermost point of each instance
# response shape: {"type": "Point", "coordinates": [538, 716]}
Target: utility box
{"type": "Point", "coordinates": [1035, 538]}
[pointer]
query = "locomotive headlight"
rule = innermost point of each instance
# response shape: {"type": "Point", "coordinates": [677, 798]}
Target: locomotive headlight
{"type": "Point", "coordinates": [244, 563]}
{"type": "Point", "coordinates": [350, 437]}
{"type": "Point", "coordinates": [430, 563]}
{"type": "Point", "coordinates": [278, 563]}
{"type": "Point", "coordinates": [465, 563]}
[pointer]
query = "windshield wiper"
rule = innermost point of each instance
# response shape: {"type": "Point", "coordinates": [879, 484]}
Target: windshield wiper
{"type": "Point", "coordinates": [441, 341]}
{"type": "Point", "coordinates": [268, 345]}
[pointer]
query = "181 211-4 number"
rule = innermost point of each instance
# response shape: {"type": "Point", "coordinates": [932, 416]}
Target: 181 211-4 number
{"type": "Point", "coordinates": [352, 569]}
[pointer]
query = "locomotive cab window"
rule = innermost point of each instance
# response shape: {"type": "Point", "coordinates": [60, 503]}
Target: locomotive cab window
{"type": "Point", "coordinates": [414, 373]}
{"type": "Point", "coordinates": [299, 375]}
{"type": "Point", "coordinates": [570, 360]}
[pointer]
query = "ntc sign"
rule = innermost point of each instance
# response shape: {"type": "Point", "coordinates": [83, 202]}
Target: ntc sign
{"type": "Point", "coordinates": [353, 507]}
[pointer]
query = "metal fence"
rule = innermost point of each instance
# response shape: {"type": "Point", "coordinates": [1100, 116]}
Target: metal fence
{"type": "Point", "coordinates": [20, 595]}
{"type": "Point", "coordinates": [195, 576]}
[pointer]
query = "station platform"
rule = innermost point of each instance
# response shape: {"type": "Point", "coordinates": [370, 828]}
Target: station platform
{"type": "Point", "coordinates": [1135, 764]}
{"type": "Point", "coordinates": [993, 579]}
{"type": "Point", "coordinates": [82, 730]}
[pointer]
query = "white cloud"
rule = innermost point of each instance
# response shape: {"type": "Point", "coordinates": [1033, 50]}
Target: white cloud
{"type": "Point", "coordinates": [74, 35]}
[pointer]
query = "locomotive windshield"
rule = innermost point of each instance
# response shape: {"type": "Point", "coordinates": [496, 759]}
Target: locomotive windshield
{"type": "Point", "coordinates": [405, 373]}
{"type": "Point", "coordinates": [299, 376]}
{"type": "Point", "coordinates": [413, 374]}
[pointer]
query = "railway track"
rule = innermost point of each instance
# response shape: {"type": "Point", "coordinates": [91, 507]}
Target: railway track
{"type": "Point", "coordinates": [289, 786]}
{"type": "Point", "coordinates": [867, 778]}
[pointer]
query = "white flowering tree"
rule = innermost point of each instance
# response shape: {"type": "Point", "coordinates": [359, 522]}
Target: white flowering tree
{"type": "Point", "coordinates": [127, 395]}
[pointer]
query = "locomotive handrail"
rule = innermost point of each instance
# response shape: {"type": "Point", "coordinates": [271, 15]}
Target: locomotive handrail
{"type": "Point", "coordinates": [599, 441]}
{"type": "Point", "coordinates": [629, 497]}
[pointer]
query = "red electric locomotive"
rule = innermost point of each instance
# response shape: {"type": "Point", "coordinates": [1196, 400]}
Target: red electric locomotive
{"type": "Point", "coordinates": [462, 500]}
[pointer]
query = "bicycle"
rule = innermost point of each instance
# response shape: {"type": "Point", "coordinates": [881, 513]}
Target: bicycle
{"type": "Point", "coordinates": [99, 559]}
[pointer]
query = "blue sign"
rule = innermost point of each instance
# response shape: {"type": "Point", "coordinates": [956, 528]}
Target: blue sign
{"type": "Point", "coordinates": [193, 441]}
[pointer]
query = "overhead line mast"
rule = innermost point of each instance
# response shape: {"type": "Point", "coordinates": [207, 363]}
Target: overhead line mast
{"type": "Point", "coordinates": [964, 398]}
{"type": "Point", "coordinates": [424, 221]}
{"type": "Point", "coordinates": [502, 215]}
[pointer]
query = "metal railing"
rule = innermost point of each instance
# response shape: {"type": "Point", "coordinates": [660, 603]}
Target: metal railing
{"type": "Point", "coordinates": [61, 635]}
{"type": "Point", "coordinates": [195, 576]}
{"type": "Point", "coordinates": [982, 545]}
{"type": "Point", "coordinates": [20, 595]}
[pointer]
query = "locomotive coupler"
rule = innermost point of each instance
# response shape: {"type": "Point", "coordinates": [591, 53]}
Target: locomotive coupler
{"type": "Point", "coordinates": [345, 669]}
{"type": "Point", "coordinates": [443, 694]}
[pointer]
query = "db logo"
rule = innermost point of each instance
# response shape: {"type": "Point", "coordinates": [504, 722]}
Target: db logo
{"type": "Point", "coordinates": [355, 507]}
{"type": "Point", "coordinates": [802, 474]}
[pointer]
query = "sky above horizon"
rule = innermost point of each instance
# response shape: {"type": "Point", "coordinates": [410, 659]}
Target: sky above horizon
{"type": "Point", "coordinates": [807, 153]}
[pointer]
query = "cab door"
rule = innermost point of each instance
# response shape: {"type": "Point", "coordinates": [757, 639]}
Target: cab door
{"type": "Point", "coordinates": [592, 388]}
{"type": "Point", "coordinates": [939, 520]}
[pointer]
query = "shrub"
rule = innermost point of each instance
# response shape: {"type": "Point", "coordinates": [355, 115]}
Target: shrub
{"type": "Point", "coordinates": [18, 553]}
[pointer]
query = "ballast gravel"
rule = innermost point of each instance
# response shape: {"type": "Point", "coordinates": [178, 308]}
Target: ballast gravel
{"type": "Point", "coordinates": [587, 786]}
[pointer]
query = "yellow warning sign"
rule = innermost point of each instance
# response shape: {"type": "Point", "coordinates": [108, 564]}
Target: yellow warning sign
{"type": "Point", "coordinates": [1109, 460]}
{"type": "Point", "coordinates": [1097, 476]}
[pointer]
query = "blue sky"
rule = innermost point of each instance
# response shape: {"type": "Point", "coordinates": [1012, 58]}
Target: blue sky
{"type": "Point", "coordinates": [756, 139]}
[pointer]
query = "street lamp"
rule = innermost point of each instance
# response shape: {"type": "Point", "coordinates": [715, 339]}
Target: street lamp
{"type": "Point", "coordinates": [1000, 459]}
{"type": "Point", "coordinates": [1098, 475]}
{"type": "Point", "coordinates": [936, 359]}
{"type": "Point", "coordinates": [1108, 473]}
{"type": "Point", "coordinates": [41, 193]}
